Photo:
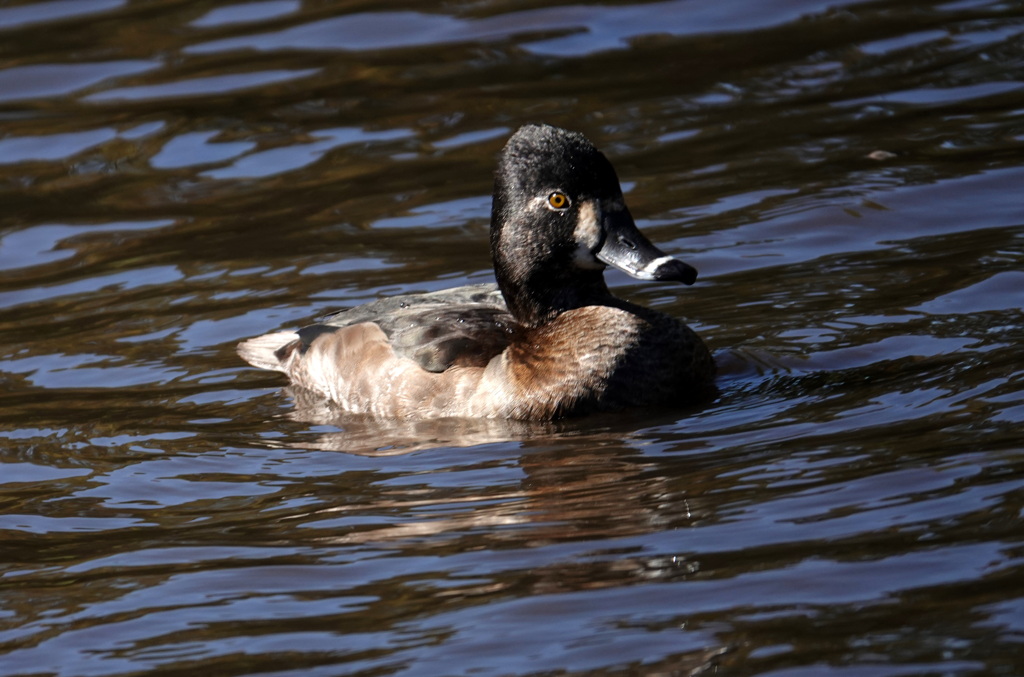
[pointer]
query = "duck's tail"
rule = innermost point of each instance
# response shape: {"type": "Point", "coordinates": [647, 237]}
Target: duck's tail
{"type": "Point", "coordinates": [266, 351]}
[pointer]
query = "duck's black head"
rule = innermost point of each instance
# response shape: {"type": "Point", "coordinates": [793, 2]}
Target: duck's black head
{"type": "Point", "coordinates": [558, 220]}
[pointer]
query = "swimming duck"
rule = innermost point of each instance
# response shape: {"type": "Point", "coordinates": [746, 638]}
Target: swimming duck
{"type": "Point", "coordinates": [549, 341]}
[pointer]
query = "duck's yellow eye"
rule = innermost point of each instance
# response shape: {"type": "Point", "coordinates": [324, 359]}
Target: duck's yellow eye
{"type": "Point", "coordinates": [558, 200]}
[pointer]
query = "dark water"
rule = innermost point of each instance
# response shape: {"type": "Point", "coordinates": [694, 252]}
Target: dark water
{"type": "Point", "coordinates": [176, 176]}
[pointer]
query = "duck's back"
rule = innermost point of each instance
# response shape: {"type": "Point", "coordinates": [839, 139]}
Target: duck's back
{"type": "Point", "coordinates": [464, 326]}
{"type": "Point", "coordinates": [387, 356]}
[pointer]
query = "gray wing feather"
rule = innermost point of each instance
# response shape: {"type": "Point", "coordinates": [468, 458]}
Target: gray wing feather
{"type": "Point", "coordinates": [464, 326]}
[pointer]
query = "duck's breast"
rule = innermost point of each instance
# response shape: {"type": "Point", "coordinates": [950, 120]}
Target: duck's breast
{"type": "Point", "coordinates": [602, 358]}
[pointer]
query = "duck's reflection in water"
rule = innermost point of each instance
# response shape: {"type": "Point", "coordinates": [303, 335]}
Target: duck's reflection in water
{"type": "Point", "coordinates": [602, 485]}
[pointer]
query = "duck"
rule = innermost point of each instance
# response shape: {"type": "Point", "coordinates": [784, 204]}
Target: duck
{"type": "Point", "coordinates": [548, 341]}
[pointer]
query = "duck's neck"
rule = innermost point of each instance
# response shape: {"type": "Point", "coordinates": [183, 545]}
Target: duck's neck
{"type": "Point", "coordinates": [540, 297]}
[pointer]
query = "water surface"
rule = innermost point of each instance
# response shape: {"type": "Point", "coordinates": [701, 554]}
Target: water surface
{"type": "Point", "coordinates": [176, 177]}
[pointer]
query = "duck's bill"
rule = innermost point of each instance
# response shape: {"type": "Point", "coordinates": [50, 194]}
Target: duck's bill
{"type": "Point", "coordinates": [627, 249]}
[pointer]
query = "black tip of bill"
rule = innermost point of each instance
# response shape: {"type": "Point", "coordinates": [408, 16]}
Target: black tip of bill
{"type": "Point", "coordinates": [671, 269]}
